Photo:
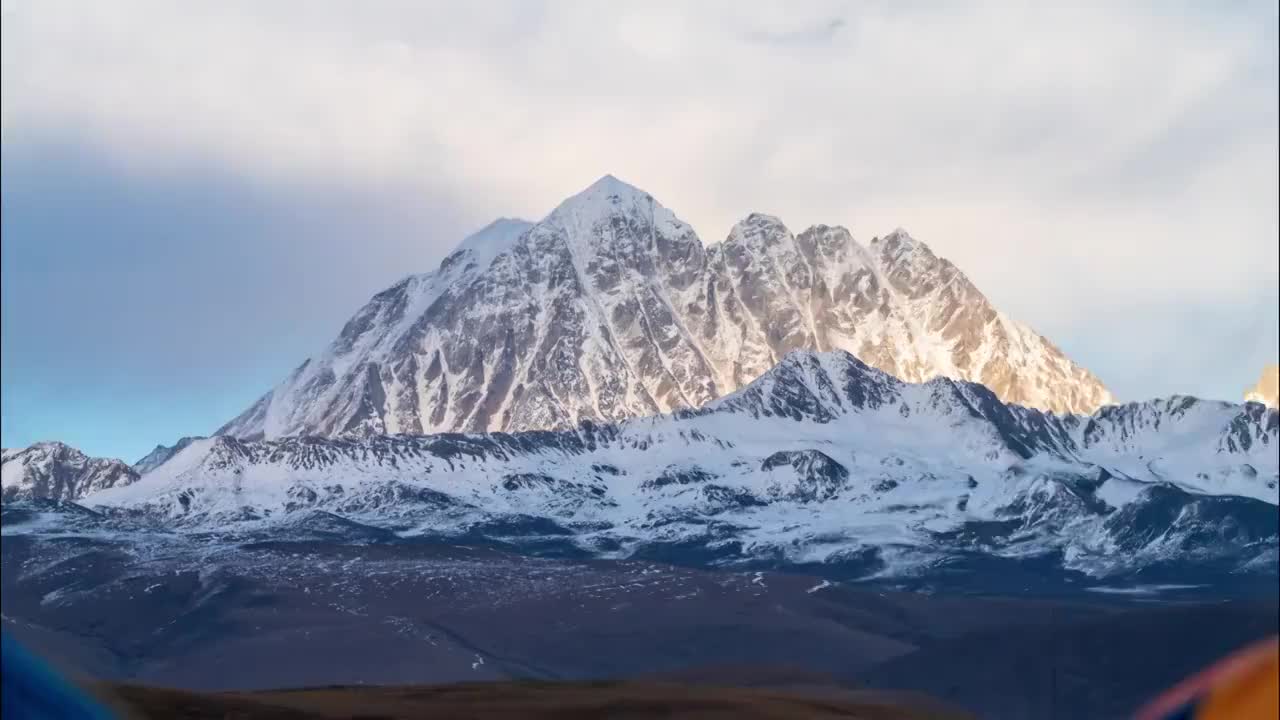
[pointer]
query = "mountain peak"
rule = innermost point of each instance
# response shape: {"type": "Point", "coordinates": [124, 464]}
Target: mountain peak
{"type": "Point", "coordinates": [614, 308]}
{"type": "Point", "coordinates": [610, 186]}
{"type": "Point", "coordinates": [834, 363]}
{"type": "Point", "coordinates": [759, 228]}
{"type": "Point", "coordinates": [59, 471]}
{"type": "Point", "coordinates": [899, 246]}
{"type": "Point", "coordinates": [611, 181]}
{"type": "Point", "coordinates": [899, 238]}
{"type": "Point", "coordinates": [162, 453]}
{"type": "Point", "coordinates": [757, 219]}
{"type": "Point", "coordinates": [604, 198]}
{"type": "Point", "coordinates": [55, 446]}
{"type": "Point", "coordinates": [824, 228]}
{"type": "Point", "coordinates": [491, 240]}
{"type": "Point", "coordinates": [817, 385]}
{"type": "Point", "coordinates": [501, 223]}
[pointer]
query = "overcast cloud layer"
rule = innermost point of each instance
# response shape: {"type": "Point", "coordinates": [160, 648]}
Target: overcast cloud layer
{"type": "Point", "coordinates": [196, 196]}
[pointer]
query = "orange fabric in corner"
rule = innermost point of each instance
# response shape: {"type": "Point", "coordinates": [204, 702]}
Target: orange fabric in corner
{"type": "Point", "coordinates": [1249, 690]}
{"type": "Point", "coordinates": [1243, 686]}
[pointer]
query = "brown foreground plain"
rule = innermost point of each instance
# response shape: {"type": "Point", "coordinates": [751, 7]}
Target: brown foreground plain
{"type": "Point", "coordinates": [525, 699]}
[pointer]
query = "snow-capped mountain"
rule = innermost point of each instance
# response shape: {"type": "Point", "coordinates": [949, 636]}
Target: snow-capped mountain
{"type": "Point", "coordinates": [823, 459]}
{"type": "Point", "coordinates": [1267, 391]}
{"type": "Point", "coordinates": [161, 454]}
{"type": "Point", "coordinates": [56, 471]}
{"type": "Point", "coordinates": [612, 307]}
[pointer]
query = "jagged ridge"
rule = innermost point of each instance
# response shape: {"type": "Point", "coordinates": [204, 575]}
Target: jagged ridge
{"type": "Point", "coordinates": [611, 307]}
{"type": "Point", "coordinates": [55, 471]}
{"type": "Point", "coordinates": [819, 457]}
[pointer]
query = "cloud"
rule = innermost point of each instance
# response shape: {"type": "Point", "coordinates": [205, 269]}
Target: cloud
{"type": "Point", "coordinates": [814, 34]}
{"type": "Point", "coordinates": [1077, 161]}
{"type": "Point", "coordinates": [137, 309]}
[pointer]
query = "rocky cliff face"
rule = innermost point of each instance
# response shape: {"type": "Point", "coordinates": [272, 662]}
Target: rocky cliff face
{"type": "Point", "coordinates": [612, 307]}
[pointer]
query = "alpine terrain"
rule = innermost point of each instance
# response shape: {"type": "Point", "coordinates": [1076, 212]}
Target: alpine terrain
{"type": "Point", "coordinates": [1071, 564]}
{"type": "Point", "coordinates": [823, 462]}
{"type": "Point", "coordinates": [594, 447]}
{"type": "Point", "coordinates": [53, 470]}
{"type": "Point", "coordinates": [612, 307]}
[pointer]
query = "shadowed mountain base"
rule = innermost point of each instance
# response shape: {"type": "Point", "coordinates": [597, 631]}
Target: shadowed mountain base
{"type": "Point", "coordinates": [533, 700]}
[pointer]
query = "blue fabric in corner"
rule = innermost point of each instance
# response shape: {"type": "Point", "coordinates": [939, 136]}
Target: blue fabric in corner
{"type": "Point", "coordinates": [31, 690]}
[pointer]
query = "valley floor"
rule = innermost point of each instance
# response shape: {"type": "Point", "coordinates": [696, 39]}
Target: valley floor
{"type": "Point", "coordinates": [226, 617]}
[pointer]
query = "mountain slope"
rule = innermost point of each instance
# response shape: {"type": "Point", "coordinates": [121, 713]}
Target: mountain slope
{"type": "Point", "coordinates": [56, 471]}
{"type": "Point", "coordinates": [823, 459]}
{"type": "Point", "coordinates": [612, 307]}
{"type": "Point", "coordinates": [161, 454]}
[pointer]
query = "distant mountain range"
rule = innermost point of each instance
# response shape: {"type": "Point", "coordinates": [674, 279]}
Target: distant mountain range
{"type": "Point", "coordinates": [823, 462]}
{"type": "Point", "coordinates": [611, 307]}
{"type": "Point", "coordinates": [593, 446]}
{"type": "Point", "coordinates": [602, 384]}
{"type": "Point", "coordinates": [53, 470]}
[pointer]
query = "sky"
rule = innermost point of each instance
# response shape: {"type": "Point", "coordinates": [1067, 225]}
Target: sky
{"type": "Point", "coordinates": [195, 197]}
